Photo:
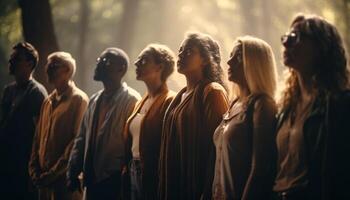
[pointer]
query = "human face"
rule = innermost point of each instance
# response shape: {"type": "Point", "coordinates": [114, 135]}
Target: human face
{"type": "Point", "coordinates": [58, 74]}
{"type": "Point", "coordinates": [108, 68]}
{"type": "Point", "coordinates": [299, 50]}
{"type": "Point", "coordinates": [18, 64]}
{"type": "Point", "coordinates": [235, 62]}
{"type": "Point", "coordinates": [190, 59]}
{"type": "Point", "coordinates": [146, 68]}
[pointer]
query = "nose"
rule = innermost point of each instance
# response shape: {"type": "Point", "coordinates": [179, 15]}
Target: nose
{"type": "Point", "coordinates": [285, 41]}
{"type": "Point", "coordinates": [229, 62]}
{"type": "Point", "coordinates": [181, 54]}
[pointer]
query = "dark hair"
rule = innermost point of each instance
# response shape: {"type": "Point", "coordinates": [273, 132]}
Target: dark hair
{"type": "Point", "coordinates": [164, 56]}
{"type": "Point", "coordinates": [210, 51]}
{"type": "Point", "coordinates": [330, 70]}
{"type": "Point", "coordinates": [29, 51]}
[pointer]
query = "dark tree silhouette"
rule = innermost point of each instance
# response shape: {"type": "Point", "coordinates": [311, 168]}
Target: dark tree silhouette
{"type": "Point", "coordinates": [82, 43]}
{"type": "Point", "coordinates": [38, 29]}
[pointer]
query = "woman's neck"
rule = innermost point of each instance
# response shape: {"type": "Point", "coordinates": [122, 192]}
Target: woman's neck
{"type": "Point", "coordinates": [193, 80]}
{"type": "Point", "coordinates": [307, 90]}
{"type": "Point", "coordinates": [153, 87]}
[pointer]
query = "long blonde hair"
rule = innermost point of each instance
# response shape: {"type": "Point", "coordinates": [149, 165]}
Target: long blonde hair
{"type": "Point", "coordinates": [259, 65]}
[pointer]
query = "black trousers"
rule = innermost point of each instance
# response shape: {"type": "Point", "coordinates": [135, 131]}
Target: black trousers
{"type": "Point", "coordinates": [107, 189]}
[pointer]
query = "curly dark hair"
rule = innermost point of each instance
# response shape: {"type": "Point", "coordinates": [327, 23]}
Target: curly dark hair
{"type": "Point", "coordinates": [330, 70]}
{"type": "Point", "coordinates": [210, 51]}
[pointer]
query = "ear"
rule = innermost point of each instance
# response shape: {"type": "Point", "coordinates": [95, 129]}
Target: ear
{"type": "Point", "coordinates": [205, 62]}
{"type": "Point", "coordinates": [159, 67]}
{"type": "Point", "coordinates": [30, 65]}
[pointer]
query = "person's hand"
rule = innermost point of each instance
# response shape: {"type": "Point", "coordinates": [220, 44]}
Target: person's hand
{"type": "Point", "coordinates": [124, 170]}
{"type": "Point", "coordinates": [74, 184]}
{"type": "Point", "coordinates": [45, 179]}
{"type": "Point", "coordinates": [36, 180]}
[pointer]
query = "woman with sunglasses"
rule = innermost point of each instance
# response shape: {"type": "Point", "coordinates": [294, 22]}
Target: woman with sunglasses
{"type": "Point", "coordinates": [144, 127]}
{"type": "Point", "coordinates": [313, 126]}
{"type": "Point", "coordinates": [191, 119]}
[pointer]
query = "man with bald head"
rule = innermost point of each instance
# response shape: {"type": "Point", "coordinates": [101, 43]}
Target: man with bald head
{"type": "Point", "coordinates": [98, 151]}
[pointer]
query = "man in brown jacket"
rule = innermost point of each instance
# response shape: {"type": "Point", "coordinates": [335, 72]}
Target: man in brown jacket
{"type": "Point", "coordinates": [59, 121]}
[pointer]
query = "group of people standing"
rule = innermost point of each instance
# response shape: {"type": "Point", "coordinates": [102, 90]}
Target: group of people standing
{"type": "Point", "coordinates": [194, 144]}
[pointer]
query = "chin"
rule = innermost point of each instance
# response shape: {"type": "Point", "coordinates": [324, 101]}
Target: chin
{"type": "Point", "coordinates": [180, 70]}
{"type": "Point", "coordinates": [288, 63]}
{"type": "Point", "coordinates": [97, 78]}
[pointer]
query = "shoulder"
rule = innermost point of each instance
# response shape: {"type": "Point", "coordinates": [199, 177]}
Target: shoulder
{"type": "Point", "coordinates": [170, 95]}
{"type": "Point", "coordinates": [79, 95]}
{"type": "Point", "coordinates": [214, 86]}
{"type": "Point", "coordinates": [214, 89]}
{"type": "Point", "coordinates": [265, 105]}
{"type": "Point", "coordinates": [132, 93]}
{"type": "Point", "coordinates": [94, 97]}
{"type": "Point", "coordinates": [265, 101]}
{"type": "Point", "coordinates": [7, 90]}
{"type": "Point", "coordinates": [39, 89]}
{"type": "Point", "coordinates": [9, 86]}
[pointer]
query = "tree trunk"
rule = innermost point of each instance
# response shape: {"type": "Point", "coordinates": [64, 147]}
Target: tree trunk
{"type": "Point", "coordinates": [249, 22]}
{"type": "Point", "coordinates": [38, 30]}
{"type": "Point", "coordinates": [82, 44]}
{"type": "Point", "coordinates": [266, 20]}
{"type": "Point", "coordinates": [346, 15]}
{"type": "Point", "coordinates": [127, 24]}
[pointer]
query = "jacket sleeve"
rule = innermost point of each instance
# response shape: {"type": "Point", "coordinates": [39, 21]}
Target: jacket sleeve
{"type": "Point", "coordinates": [260, 179]}
{"type": "Point", "coordinates": [76, 157]}
{"type": "Point", "coordinates": [215, 105]}
{"type": "Point", "coordinates": [34, 166]}
{"type": "Point", "coordinates": [336, 165]}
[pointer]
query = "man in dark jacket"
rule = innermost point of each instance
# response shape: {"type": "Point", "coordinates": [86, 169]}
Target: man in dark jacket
{"type": "Point", "coordinates": [20, 106]}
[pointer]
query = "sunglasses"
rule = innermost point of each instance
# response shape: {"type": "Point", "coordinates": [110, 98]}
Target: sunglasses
{"type": "Point", "coordinates": [103, 60]}
{"type": "Point", "coordinates": [291, 39]}
{"type": "Point", "coordinates": [187, 52]}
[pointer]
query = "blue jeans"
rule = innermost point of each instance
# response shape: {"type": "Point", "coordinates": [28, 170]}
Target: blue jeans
{"type": "Point", "coordinates": [135, 179]}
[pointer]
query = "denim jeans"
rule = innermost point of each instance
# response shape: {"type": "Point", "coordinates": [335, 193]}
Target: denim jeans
{"type": "Point", "coordinates": [135, 179]}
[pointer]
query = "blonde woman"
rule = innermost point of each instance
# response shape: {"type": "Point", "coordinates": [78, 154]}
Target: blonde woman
{"type": "Point", "coordinates": [244, 141]}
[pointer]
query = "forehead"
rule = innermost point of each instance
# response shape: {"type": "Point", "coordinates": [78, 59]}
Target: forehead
{"type": "Point", "coordinates": [17, 53]}
{"type": "Point", "coordinates": [112, 57]}
{"type": "Point", "coordinates": [299, 26]}
{"type": "Point", "coordinates": [147, 52]}
{"type": "Point", "coordinates": [189, 43]}
{"type": "Point", "coordinates": [237, 47]}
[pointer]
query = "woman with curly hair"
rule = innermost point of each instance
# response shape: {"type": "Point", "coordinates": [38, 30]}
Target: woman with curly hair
{"type": "Point", "coordinates": [313, 127]}
{"type": "Point", "coordinates": [245, 139]}
{"type": "Point", "coordinates": [191, 119]}
{"type": "Point", "coordinates": [144, 127]}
